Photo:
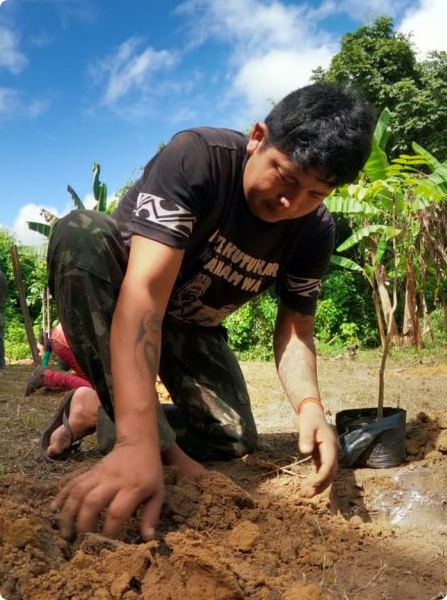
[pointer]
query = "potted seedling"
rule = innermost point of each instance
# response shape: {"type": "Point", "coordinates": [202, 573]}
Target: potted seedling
{"type": "Point", "coordinates": [374, 437]}
{"type": "Point", "coordinates": [387, 201]}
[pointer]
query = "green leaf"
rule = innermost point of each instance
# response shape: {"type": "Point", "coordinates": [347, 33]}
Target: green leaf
{"type": "Point", "coordinates": [431, 161]}
{"type": "Point", "coordinates": [366, 232]}
{"type": "Point", "coordinates": [439, 177]}
{"type": "Point", "coordinates": [381, 249]}
{"type": "Point", "coordinates": [102, 201]}
{"type": "Point", "coordinates": [339, 204]}
{"type": "Point", "coordinates": [377, 162]}
{"type": "Point", "coordinates": [77, 201]}
{"type": "Point", "coordinates": [346, 263]}
{"type": "Point", "coordinates": [96, 182]}
{"type": "Point", "coordinates": [42, 228]}
{"type": "Point", "coordinates": [382, 130]}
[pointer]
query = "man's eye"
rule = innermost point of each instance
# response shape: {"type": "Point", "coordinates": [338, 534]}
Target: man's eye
{"type": "Point", "coordinates": [278, 172]}
{"type": "Point", "coordinates": [318, 197]}
{"type": "Point", "coordinates": [286, 180]}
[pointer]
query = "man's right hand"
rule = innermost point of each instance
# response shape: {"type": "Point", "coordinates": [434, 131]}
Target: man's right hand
{"type": "Point", "coordinates": [129, 477]}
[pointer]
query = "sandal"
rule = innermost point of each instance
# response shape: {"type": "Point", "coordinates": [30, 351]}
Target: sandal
{"type": "Point", "coordinates": [37, 381]}
{"type": "Point", "coordinates": [60, 418]}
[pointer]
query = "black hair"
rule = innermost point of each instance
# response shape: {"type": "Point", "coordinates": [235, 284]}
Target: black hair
{"type": "Point", "coordinates": [324, 127]}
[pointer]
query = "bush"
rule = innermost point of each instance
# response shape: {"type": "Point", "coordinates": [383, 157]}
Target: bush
{"type": "Point", "coordinates": [250, 328]}
{"type": "Point", "coordinates": [16, 340]}
{"type": "Point", "coordinates": [345, 313]}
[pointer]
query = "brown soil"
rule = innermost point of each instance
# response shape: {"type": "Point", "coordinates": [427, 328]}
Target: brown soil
{"type": "Point", "coordinates": [242, 531]}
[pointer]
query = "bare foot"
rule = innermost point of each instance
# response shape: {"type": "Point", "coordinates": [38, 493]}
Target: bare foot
{"type": "Point", "coordinates": [187, 466]}
{"type": "Point", "coordinates": [82, 420]}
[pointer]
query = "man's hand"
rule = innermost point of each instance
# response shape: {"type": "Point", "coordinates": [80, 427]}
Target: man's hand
{"type": "Point", "coordinates": [130, 476]}
{"type": "Point", "coordinates": [316, 437]}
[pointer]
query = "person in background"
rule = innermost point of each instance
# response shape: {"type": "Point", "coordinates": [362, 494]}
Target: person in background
{"type": "Point", "coordinates": [216, 218]}
{"type": "Point", "coordinates": [3, 296]}
{"type": "Point", "coordinates": [56, 343]}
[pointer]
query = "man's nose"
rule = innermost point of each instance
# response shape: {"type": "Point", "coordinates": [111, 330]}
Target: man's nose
{"type": "Point", "coordinates": [293, 199]}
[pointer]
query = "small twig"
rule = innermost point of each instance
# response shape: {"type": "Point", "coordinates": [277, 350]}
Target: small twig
{"type": "Point", "coordinates": [339, 584]}
{"type": "Point", "coordinates": [320, 531]}
{"type": "Point", "coordinates": [287, 471]}
{"type": "Point", "coordinates": [287, 468]}
{"type": "Point", "coordinates": [382, 568]}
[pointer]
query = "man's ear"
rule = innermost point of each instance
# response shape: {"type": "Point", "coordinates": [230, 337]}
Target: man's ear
{"type": "Point", "coordinates": [257, 136]}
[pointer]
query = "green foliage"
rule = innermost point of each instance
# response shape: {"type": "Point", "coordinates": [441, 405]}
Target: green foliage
{"type": "Point", "coordinates": [382, 63]}
{"type": "Point", "coordinates": [111, 207]}
{"type": "Point", "coordinates": [99, 193]}
{"type": "Point", "coordinates": [34, 276]}
{"type": "Point", "coordinates": [16, 341]}
{"type": "Point", "coordinates": [438, 324]}
{"type": "Point", "coordinates": [327, 320]}
{"type": "Point", "coordinates": [345, 313]}
{"type": "Point", "coordinates": [99, 190]}
{"type": "Point", "coordinates": [250, 328]}
{"type": "Point", "coordinates": [6, 241]}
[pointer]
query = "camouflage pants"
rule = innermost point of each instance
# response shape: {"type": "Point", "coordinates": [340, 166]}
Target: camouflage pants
{"type": "Point", "coordinates": [212, 417]}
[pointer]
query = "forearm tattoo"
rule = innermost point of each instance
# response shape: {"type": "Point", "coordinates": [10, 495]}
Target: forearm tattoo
{"type": "Point", "coordinates": [148, 342]}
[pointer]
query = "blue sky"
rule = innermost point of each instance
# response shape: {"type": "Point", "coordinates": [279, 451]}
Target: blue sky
{"type": "Point", "coordinates": [107, 81]}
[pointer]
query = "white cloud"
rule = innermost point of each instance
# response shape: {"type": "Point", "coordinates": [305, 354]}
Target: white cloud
{"type": "Point", "coordinates": [88, 201]}
{"type": "Point", "coordinates": [8, 100]}
{"type": "Point", "coordinates": [273, 75]}
{"type": "Point", "coordinates": [31, 212]}
{"type": "Point", "coordinates": [273, 47]}
{"type": "Point", "coordinates": [427, 23]}
{"type": "Point", "coordinates": [10, 56]}
{"type": "Point", "coordinates": [251, 26]}
{"type": "Point", "coordinates": [12, 105]}
{"type": "Point", "coordinates": [366, 11]}
{"type": "Point", "coordinates": [129, 70]}
{"type": "Point", "coordinates": [20, 229]}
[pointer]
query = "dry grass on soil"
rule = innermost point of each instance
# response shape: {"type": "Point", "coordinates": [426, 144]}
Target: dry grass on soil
{"type": "Point", "coordinates": [242, 531]}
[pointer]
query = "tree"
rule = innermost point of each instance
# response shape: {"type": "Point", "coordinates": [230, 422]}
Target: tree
{"type": "Point", "coordinates": [383, 65]}
{"type": "Point", "coordinates": [34, 275]}
{"type": "Point", "coordinates": [387, 207]}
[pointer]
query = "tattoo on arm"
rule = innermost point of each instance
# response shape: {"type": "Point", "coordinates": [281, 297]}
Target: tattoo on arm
{"type": "Point", "coordinates": [148, 342]}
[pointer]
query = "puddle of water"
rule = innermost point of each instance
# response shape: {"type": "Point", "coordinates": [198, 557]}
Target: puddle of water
{"type": "Point", "coordinates": [410, 508]}
{"type": "Point", "coordinates": [417, 500]}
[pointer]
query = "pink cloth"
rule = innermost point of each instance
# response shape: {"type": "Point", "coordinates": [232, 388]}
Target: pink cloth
{"type": "Point", "coordinates": [64, 381]}
{"type": "Point", "coordinates": [62, 350]}
{"type": "Point", "coordinates": [57, 335]}
{"type": "Point", "coordinates": [60, 379]}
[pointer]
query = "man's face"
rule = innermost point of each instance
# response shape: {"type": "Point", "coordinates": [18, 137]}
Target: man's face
{"type": "Point", "coordinates": [274, 187]}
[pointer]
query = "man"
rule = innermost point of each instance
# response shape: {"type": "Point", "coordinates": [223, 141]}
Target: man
{"type": "Point", "coordinates": [215, 219]}
{"type": "Point", "coordinates": [3, 295]}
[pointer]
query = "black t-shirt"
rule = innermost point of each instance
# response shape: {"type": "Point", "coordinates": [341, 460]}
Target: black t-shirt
{"type": "Point", "coordinates": [190, 196]}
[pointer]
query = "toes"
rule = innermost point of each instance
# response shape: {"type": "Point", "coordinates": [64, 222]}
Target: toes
{"type": "Point", "coordinates": [59, 441]}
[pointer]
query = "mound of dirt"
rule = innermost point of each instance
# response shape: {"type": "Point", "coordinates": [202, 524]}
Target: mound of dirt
{"type": "Point", "coordinates": [241, 530]}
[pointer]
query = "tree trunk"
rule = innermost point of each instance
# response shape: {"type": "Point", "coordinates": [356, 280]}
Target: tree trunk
{"type": "Point", "coordinates": [411, 333]}
{"type": "Point", "coordinates": [382, 332]}
{"type": "Point", "coordinates": [426, 327]}
{"type": "Point", "coordinates": [382, 287]}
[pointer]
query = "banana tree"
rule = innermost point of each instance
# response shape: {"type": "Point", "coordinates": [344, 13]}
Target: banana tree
{"type": "Point", "coordinates": [384, 206]}
{"type": "Point", "coordinates": [99, 193]}
{"type": "Point", "coordinates": [433, 238]}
